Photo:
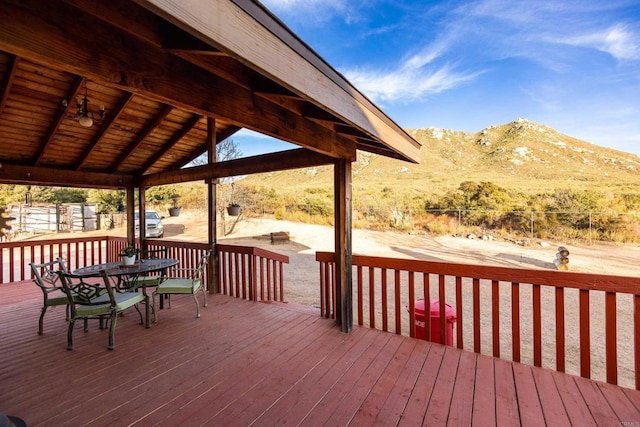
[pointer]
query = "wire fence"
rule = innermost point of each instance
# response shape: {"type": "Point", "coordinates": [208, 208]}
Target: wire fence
{"type": "Point", "coordinates": [586, 226]}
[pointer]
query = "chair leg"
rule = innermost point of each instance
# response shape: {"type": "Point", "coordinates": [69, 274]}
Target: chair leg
{"type": "Point", "coordinates": [112, 330]}
{"type": "Point", "coordinates": [204, 296]}
{"type": "Point", "coordinates": [195, 297]}
{"type": "Point", "coordinates": [153, 306]}
{"type": "Point", "coordinates": [70, 335]}
{"type": "Point", "coordinates": [41, 321]}
{"type": "Point", "coordinates": [139, 313]}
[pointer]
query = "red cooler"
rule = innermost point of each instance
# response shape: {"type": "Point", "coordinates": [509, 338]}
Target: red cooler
{"type": "Point", "coordinates": [450, 317]}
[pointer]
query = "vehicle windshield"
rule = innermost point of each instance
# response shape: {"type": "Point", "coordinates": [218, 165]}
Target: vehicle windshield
{"type": "Point", "coordinates": [148, 215]}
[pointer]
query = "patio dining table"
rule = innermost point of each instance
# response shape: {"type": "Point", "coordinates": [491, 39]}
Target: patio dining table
{"type": "Point", "coordinates": [130, 274]}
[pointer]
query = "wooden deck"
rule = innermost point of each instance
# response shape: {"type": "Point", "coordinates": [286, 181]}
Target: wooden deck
{"type": "Point", "coordinates": [246, 363]}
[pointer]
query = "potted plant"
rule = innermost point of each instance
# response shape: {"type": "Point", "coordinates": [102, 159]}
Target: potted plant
{"type": "Point", "coordinates": [128, 254]}
{"type": "Point", "coordinates": [233, 209]}
{"type": "Point", "coordinates": [175, 209]}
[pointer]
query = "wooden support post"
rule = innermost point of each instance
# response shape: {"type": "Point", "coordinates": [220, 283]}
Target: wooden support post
{"type": "Point", "coordinates": [142, 217]}
{"type": "Point", "coordinates": [212, 185]}
{"type": "Point", "coordinates": [131, 225]}
{"type": "Point", "coordinates": [343, 255]}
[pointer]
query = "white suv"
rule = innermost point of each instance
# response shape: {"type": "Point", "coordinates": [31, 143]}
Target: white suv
{"type": "Point", "coordinates": [153, 222]}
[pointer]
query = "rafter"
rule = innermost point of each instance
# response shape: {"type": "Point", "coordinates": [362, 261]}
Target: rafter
{"type": "Point", "coordinates": [106, 125]}
{"type": "Point", "coordinates": [293, 104]}
{"type": "Point", "coordinates": [376, 148]}
{"type": "Point", "coordinates": [75, 89]}
{"type": "Point", "coordinates": [220, 136]}
{"type": "Point", "coordinates": [8, 81]}
{"type": "Point", "coordinates": [166, 110]}
{"type": "Point", "coordinates": [170, 143]}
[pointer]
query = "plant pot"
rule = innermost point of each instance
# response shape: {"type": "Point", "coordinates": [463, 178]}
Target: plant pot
{"type": "Point", "coordinates": [233, 210]}
{"type": "Point", "coordinates": [128, 260]}
{"type": "Point", "coordinates": [174, 211]}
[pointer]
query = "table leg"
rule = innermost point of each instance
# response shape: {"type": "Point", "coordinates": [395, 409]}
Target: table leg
{"type": "Point", "coordinates": [147, 324]}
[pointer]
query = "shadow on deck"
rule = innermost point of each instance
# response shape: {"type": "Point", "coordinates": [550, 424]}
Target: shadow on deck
{"type": "Point", "coordinates": [247, 363]}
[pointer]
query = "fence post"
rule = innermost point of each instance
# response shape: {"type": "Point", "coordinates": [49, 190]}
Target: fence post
{"type": "Point", "coordinates": [531, 222]}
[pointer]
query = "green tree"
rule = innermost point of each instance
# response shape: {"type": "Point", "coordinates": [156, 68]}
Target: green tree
{"type": "Point", "coordinates": [108, 201]}
{"type": "Point", "coordinates": [572, 208]}
{"type": "Point", "coordinates": [483, 203]}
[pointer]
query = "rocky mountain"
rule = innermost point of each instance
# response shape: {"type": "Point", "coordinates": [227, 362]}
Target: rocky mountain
{"type": "Point", "coordinates": [520, 155]}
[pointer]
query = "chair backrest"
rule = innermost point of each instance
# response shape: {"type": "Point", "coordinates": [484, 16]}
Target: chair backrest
{"type": "Point", "coordinates": [84, 289]}
{"type": "Point", "coordinates": [46, 275]}
{"type": "Point", "coordinates": [154, 253]}
{"type": "Point", "coordinates": [202, 265]}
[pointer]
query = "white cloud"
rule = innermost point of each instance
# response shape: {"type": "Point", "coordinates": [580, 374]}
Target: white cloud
{"type": "Point", "coordinates": [618, 41]}
{"type": "Point", "coordinates": [295, 4]}
{"type": "Point", "coordinates": [407, 83]}
{"type": "Point", "coordinates": [316, 11]}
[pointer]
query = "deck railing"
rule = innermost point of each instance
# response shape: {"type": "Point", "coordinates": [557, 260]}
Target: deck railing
{"type": "Point", "coordinates": [245, 272]}
{"type": "Point", "coordinates": [78, 252]}
{"type": "Point", "coordinates": [554, 319]}
{"type": "Point", "coordinates": [251, 273]}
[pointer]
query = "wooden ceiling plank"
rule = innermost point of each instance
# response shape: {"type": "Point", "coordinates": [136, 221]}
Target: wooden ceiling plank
{"type": "Point", "coordinates": [8, 81]}
{"type": "Point", "coordinates": [284, 160]}
{"type": "Point", "coordinates": [166, 110]}
{"type": "Point", "coordinates": [38, 175]}
{"type": "Point", "coordinates": [171, 143]}
{"type": "Point", "coordinates": [107, 123]}
{"type": "Point", "coordinates": [62, 112]}
{"type": "Point", "coordinates": [57, 36]}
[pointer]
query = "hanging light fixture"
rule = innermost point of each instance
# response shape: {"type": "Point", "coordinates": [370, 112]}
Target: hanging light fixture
{"type": "Point", "coordinates": [83, 114]}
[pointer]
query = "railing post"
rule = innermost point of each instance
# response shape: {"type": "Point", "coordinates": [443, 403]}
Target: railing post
{"type": "Point", "coordinates": [253, 290]}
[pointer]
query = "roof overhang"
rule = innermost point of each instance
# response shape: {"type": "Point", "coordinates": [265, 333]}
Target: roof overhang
{"type": "Point", "coordinates": [166, 70]}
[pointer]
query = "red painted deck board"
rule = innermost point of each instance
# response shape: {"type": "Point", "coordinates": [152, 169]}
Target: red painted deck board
{"type": "Point", "coordinates": [247, 363]}
{"type": "Point", "coordinates": [462, 400]}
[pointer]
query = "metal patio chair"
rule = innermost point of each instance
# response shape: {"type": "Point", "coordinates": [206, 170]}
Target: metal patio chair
{"type": "Point", "coordinates": [46, 276]}
{"type": "Point", "coordinates": [86, 301]}
{"type": "Point", "coordinates": [190, 283]}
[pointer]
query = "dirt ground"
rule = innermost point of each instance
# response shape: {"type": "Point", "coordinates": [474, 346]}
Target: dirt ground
{"type": "Point", "coordinates": [302, 279]}
{"type": "Point", "coordinates": [306, 239]}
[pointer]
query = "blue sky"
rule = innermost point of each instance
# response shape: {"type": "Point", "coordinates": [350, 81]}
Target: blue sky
{"type": "Point", "coordinates": [573, 65]}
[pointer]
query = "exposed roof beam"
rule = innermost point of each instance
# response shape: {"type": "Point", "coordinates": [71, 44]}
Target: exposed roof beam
{"type": "Point", "coordinates": [57, 36]}
{"type": "Point", "coordinates": [221, 136]}
{"type": "Point", "coordinates": [8, 81]}
{"type": "Point", "coordinates": [171, 143]}
{"type": "Point", "coordinates": [293, 104]}
{"type": "Point", "coordinates": [351, 131]}
{"type": "Point", "coordinates": [110, 119]}
{"type": "Point", "coordinates": [380, 149]}
{"type": "Point", "coordinates": [166, 110]}
{"type": "Point", "coordinates": [284, 160]}
{"type": "Point", "coordinates": [77, 85]}
{"type": "Point", "coordinates": [38, 175]}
